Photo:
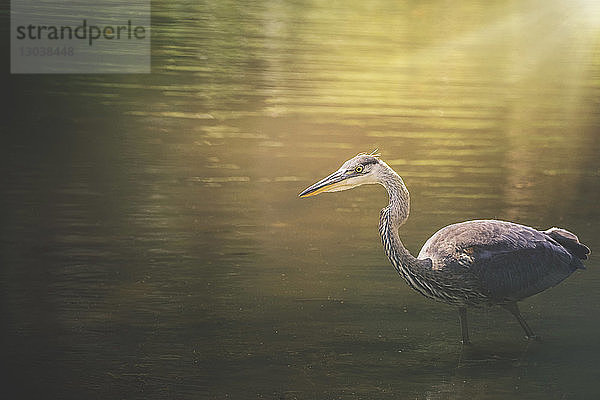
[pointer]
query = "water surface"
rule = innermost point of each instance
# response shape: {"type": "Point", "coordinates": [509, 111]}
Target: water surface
{"type": "Point", "coordinates": [153, 245]}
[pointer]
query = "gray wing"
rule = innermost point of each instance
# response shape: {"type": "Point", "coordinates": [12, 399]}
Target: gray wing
{"type": "Point", "coordinates": [507, 261]}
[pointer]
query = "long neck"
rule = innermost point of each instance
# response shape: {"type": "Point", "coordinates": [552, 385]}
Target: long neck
{"type": "Point", "coordinates": [391, 218]}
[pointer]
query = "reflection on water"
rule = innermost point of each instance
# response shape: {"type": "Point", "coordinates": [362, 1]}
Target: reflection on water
{"type": "Point", "coordinates": [153, 245]}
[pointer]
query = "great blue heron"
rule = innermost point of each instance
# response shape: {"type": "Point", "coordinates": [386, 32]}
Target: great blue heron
{"type": "Point", "coordinates": [473, 263]}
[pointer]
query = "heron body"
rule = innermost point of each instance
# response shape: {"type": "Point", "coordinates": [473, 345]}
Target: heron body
{"type": "Point", "coordinates": [473, 263]}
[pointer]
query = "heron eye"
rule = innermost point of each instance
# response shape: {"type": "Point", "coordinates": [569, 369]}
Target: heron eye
{"type": "Point", "coordinates": [359, 169]}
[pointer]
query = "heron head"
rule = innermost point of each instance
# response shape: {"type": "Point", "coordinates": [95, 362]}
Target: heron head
{"type": "Point", "coordinates": [359, 170]}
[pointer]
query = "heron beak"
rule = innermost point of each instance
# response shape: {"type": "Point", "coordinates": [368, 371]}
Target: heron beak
{"type": "Point", "coordinates": [325, 184]}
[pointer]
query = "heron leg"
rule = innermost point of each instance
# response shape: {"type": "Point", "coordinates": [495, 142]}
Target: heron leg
{"type": "Point", "coordinates": [513, 308]}
{"type": "Point", "coordinates": [464, 327]}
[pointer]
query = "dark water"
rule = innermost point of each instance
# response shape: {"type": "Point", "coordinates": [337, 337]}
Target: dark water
{"type": "Point", "coordinates": [153, 245]}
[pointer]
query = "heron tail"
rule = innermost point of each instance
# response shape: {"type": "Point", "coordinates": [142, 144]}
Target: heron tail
{"type": "Point", "coordinates": [570, 242]}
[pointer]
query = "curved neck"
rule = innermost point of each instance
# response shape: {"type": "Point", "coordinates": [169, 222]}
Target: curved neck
{"type": "Point", "coordinates": [399, 206]}
{"type": "Point", "coordinates": [391, 218]}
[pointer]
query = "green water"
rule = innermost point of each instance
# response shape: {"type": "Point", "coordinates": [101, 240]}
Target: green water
{"type": "Point", "coordinates": [153, 244]}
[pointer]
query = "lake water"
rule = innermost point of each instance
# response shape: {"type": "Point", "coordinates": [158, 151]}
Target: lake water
{"type": "Point", "coordinates": [153, 244]}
